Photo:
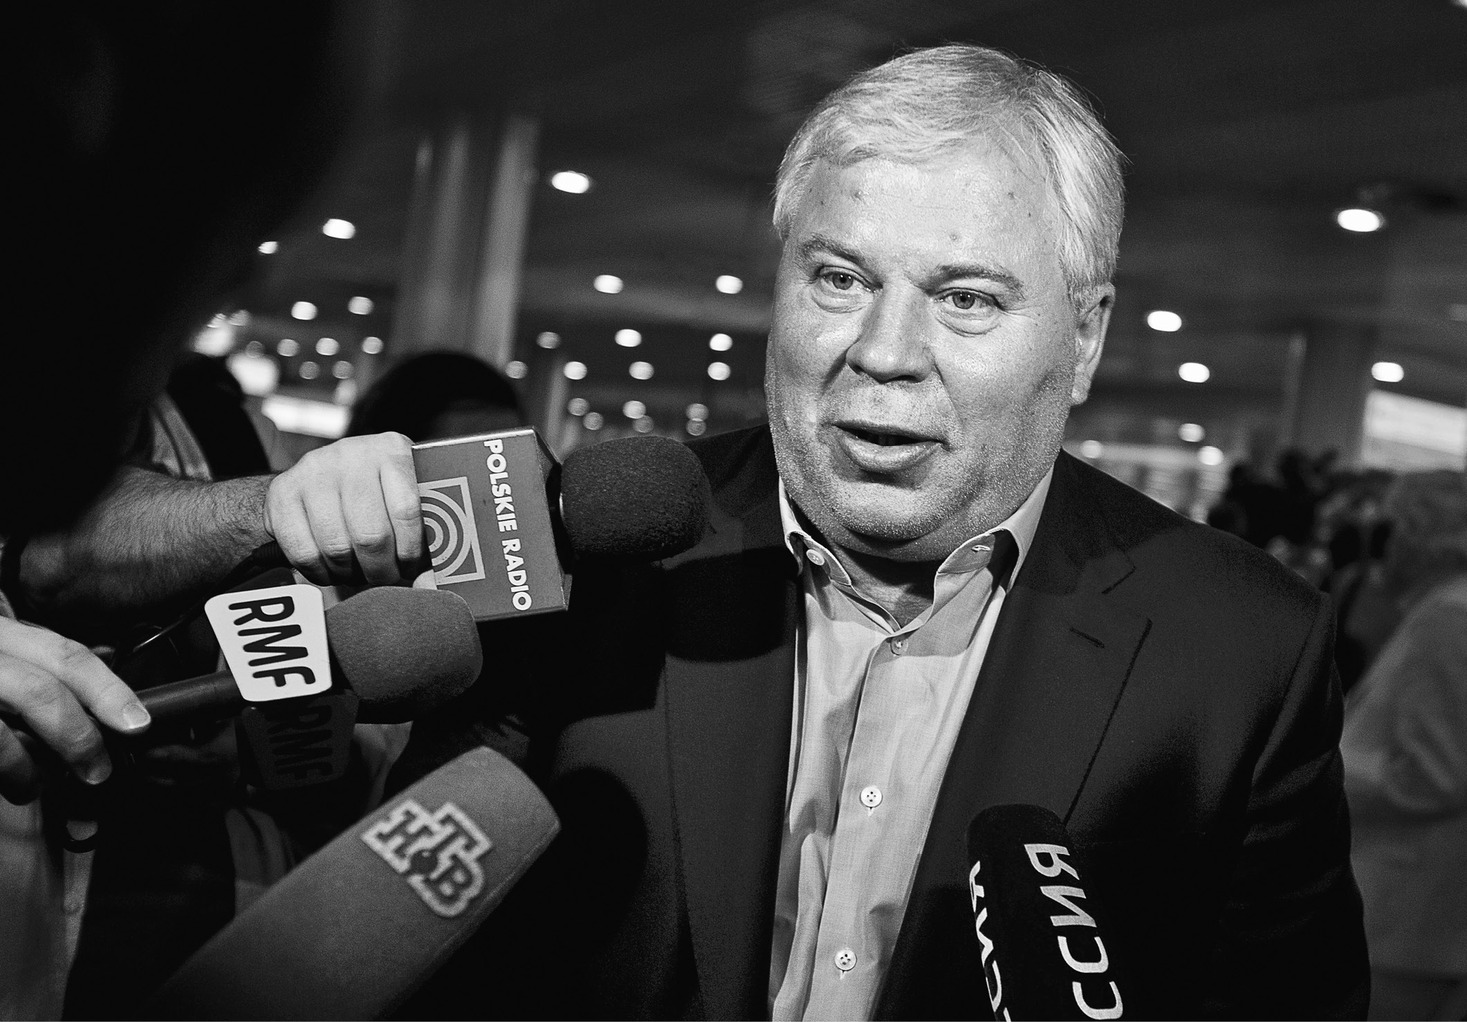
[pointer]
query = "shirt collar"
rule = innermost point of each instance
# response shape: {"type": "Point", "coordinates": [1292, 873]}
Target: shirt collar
{"type": "Point", "coordinates": [1021, 526]}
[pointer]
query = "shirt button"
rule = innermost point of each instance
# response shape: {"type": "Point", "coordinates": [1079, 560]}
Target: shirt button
{"type": "Point", "coordinates": [898, 646]}
{"type": "Point", "coordinates": [815, 557]}
{"type": "Point", "coordinates": [871, 796]}
{"type": "Point", "coordinates": [845, 959]}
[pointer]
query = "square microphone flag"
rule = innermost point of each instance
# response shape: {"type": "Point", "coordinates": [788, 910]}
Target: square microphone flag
{"type": "Point", "coordinates": [490, 532]}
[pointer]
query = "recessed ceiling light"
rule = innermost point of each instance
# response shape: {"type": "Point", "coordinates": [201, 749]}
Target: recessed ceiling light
{"type": "Point", "coordinates": [1388, 372]}
{"type": "Point", "coordinates": [719, 371]}
{"type": "Point", "coordinates": [548, 339]}
{"type": "Point", "coordinates": [729, 285]}
{"type": "Point", "coordinates": [608, 284]}
{"type": "Point", "coordinates": [640, 370]}
{"type": "Point", "coordinates": [1166, 322]}
{"type": "Point", "coordinates": [720, 342]}
{"type": "Point", "coordinates": [269, 247]}
{"type": "Point", "coordinates": [335, 228]}
{"type": "Point", "coordinates": [328, 346]}
{"type": "Point", "coordinates": [1360, 220]}
{"type": "Point", "coordinates": [628, 338]}
{"type": "Point", "coordinates": [578, 406]}
{"type": "Point", "coordinates": [515, 369]}
{"type": "Point", "coordinates": [303, 310]}
{"type": "Point", "coordinates": [372, 345]}
{"type": "Point", "coordinates": [593, 421]}
{"type": "Point", "coordinates": [342, 370]}
{"type": "Point", "coordinates": [643, 425]}
{"type": "Point", "coordinates": [634, 409]}
{"type": "Point", "coordinates": [1194, 372]}
{"type": "Point", "coordinates": [697, 411]}
{"type": "Point", "coordinates": [360, 305]}
{"type": "Point", "coordinates": [575, 370]}
{"type": "Point", "coordinates": [287, 347]}
{"type": "Point", "coordinates": [696, 427]}
{"type": "Point", "coordinates": [572, 181]}
{"type": "Point", "coordinates": [309, 370]}
{"type": "Point", "coordinates": [1092, 448]}
{"type": "Point", "coordinates": [1210, 455]}
{"type": "Point", "coordinates": [1191, 432]}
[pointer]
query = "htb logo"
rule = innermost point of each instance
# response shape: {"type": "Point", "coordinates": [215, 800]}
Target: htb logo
{"type": "Point", "coordinates": [438, 852]}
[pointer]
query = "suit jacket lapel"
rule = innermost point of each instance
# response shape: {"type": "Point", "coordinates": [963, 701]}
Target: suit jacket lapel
{"type": "Point", "coordinates": [1056, 666]}
{"type": "Point", "coordinates": [729, 676]}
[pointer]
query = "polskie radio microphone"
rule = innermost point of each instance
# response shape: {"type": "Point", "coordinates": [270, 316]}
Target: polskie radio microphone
{"type": "Point", "coordinates": [506, 524]}
{"type": "Point", "coordinates": [357, 927]}
{"type": "Point", "coordinates": [1041, 946]}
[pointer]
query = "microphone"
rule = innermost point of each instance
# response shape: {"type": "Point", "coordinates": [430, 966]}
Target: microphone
{"type": "Point", "coordinates": [401, 651]}
{"type": "Point", "coordinates": [506, 524]}
{"type": "Point", "coordinates": [1042, 952]}
{"type": "Point", "coordinates": [357, 927]}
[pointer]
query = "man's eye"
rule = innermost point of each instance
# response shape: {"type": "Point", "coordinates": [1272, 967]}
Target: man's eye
{"type": "Point", "coordinates": [966, 301]}
{"type": "Point", "coordinates": [839, 279]}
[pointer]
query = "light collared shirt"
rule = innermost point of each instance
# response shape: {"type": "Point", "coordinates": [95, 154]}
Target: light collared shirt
{"type": "Point", "coordinates": [877, 709]}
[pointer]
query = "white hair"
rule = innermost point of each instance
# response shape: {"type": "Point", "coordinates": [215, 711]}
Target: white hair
{"type": "Point", "coordinates": [927, 103]}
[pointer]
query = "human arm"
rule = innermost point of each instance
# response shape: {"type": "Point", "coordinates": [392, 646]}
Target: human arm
{"type": "Point", "coordinates": [1292, 942]}
{"type": "Point", "coordinates": [345, 513]}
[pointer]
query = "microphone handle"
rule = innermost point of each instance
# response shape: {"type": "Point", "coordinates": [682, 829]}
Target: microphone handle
{"type": "Point", "coordinates": [176, 702]}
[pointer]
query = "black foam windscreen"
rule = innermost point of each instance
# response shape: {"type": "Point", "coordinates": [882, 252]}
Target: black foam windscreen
{"type": "Point", "coordinates": [379, 637]}
{"type": "Point", "coordinates": [636, 497]}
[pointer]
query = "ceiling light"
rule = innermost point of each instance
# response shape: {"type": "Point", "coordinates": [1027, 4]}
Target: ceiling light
{"type": "Point", "coordinates": [303, 310]}
{"type": "Point", "coordinates": [634, 409]}
{"type": "Point", "coordinates": [572, 181]}
{"type": "Point", "coordinates": [578, 406]}
{"type": "Point", "coordinates": [287, 348]}
{"type": "Point", "coordinates": [628, 338]}
{"type": "Point", "coordinates": [269, 247]}
{"type": "Point", "coordinates": [593, 421]}
{"type": "Point", "coordinates": [720, 342]}
{"type": "Point", "coordinates": [1210, 455]}
{"type": "Point", "coordinates": [697, 411]}
{"type": "Point", "coordinates": [718, 371]}
{"type": "Point", "coordinates": [1194, 372]}
{"type": "Point", "coordinates": [515, 369]}
{"type": "Point", "coordinates": [1388, 372]}
{"type": "Point", "coordinates": [342, 229]}
{"type": "Point", "coordinates": [1359, 220]}
{"type": "Point", "coordinates": [643, 425]}
{"type": "Point", "coordinates": [1191, 432]}
{"type": "Point", "coordinates": [640, 370]}
{"type": "Point", "coordinates": [1164, 321]}
{"type": "Point", "coordinates": [608, 284]}
{"type": "Point", "coordinates": [328, 346]}
{"type": "Point", "coordinates": [310, 370]}
{"type": "Point", "coordinates": [696, 427]}
{"type": "Point", "coordinates": [360, 305]}
{"type": "Point", "coordinates": [372, 345]}
{"type": "Point", "coordinates": [342, 370]}
{"type": "Point", "coordinates": [729, 285]}
{"type": "Point", "coordinates": [1092, 449]}
{"type": "Point", "coordinates": [256, 374]}
{"type": "Point", "coordinates": [548, 339]}
{"type": "Point", "coordinates": [575, 370]}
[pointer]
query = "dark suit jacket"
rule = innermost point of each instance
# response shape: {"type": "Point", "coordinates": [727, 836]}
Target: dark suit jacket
{"type": "Point", "coordinates": [1163, 688]}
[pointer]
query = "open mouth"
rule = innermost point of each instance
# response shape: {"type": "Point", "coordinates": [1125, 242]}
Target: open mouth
{"type": "Point", "coordinates": [883, 439]}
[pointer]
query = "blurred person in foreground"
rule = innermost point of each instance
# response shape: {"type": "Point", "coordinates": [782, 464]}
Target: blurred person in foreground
{"type": "Point", "coordinates": [130, 233]}
{"type": "Point", "coordinates": [1405, 753]}
{"type": "Point", "coordinates": [436, 395]}
{"type": "Point", "coordinates": [911, 606]}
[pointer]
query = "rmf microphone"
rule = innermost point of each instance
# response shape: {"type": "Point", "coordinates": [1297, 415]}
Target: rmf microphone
{"type": "Point", "coordinates": [1040, 942]}
{"type": "Point", "coordinates": [357, 927]}
{"type": "Point", "coordinates": [506, 524]}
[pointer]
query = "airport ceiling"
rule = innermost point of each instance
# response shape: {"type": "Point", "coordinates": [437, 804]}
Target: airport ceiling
{"type": "Point", "coordinates": [1247, 125]}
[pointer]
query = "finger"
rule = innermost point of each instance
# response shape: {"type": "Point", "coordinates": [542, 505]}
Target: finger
{"type": "Point", "coordinates": [54, 716]}
{"type": "Point", "coordinates": [106, 696]}
{"type": "Point", "coordinates": [331, 534]}
{"type": "Point", "coordinates": [289, 525]}
{"type": "Point", "coordinates": [425, 580]}
{"type": "Point", "coordinates": [20, 777]}
{"type": "Point", "coordinates": [404, 509]}
{"type": "Point", "coordinates": [370, 528]}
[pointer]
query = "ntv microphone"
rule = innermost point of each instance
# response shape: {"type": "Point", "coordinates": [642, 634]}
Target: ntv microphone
{"type": "Point", "coordinates": [357, 927]}
{"type": "Point", "coordinates": [506, 525]}
{"type": "Point", "coordinates": [1042, 952]}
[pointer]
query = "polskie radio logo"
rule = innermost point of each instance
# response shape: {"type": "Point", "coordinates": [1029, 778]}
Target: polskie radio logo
{"type": "Point", "coordinates": [437, 852]}
{"type": "Point", "coordinates": [453, 537]}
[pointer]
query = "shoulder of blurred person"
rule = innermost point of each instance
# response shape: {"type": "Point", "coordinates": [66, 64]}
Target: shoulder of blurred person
{"type": "Point", "coordinates": [434, 395]}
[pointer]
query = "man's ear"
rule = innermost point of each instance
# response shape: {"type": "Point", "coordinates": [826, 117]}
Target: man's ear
{"type": "Point", "coordinates": [1090, 327]}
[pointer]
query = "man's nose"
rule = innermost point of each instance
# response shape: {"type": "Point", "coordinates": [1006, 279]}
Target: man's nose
{"type": "Point", "coordinates": [892, 344]}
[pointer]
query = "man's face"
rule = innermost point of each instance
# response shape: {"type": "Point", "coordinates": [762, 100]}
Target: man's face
{"type": "Point", "coordinates": [924, 353]}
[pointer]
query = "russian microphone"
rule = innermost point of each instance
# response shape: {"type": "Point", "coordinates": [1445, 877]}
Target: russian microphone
{"type": "Point", "coordinates": [357, 927]}
{"type": "Point", "coordinates": [1040, 941]}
